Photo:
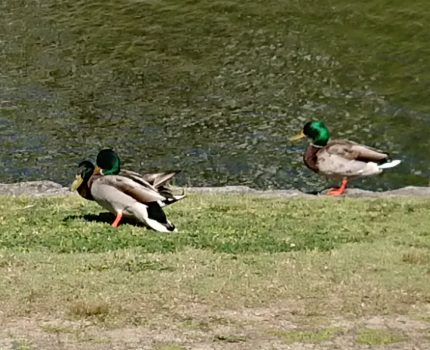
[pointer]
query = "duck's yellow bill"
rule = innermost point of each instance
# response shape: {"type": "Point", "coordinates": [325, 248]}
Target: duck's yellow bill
{"type": "Point", "coordinates": [78, 182]}
{"type": "Point", "coordinates": [297, 137]}
{"type": "Point", "coordinates": [98, 170]}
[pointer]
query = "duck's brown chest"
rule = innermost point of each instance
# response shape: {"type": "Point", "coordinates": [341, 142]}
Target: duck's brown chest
{"type": "Point", "coordinates": [85, 192]}
{"type": "Point", "coordinates": [310, 157]}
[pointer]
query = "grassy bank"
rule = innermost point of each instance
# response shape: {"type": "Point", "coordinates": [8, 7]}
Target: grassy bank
{"type": "Point", "coordinates": [244, 272]}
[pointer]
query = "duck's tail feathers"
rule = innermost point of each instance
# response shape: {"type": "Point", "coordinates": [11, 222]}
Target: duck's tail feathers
{"type": "Point", "coordinates": [390, 164]}
{"type": "Point", "coordinates": [156, 219]}
{"type": "Point", "coordinates": [171, 198]}
{"type": "Point", "coordinates": [174, 199]}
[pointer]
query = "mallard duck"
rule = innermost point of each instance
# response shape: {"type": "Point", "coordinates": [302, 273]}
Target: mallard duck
{"type": "Point", "coordinates": [126, 193]}
{"type": "Point", "coordinates": [340, 159]}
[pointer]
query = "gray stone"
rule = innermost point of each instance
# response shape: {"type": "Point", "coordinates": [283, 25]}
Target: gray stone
{"type": "Point", "coordinates": [33, 189]}
{"type": "Point", "coordinates": [49, 188]}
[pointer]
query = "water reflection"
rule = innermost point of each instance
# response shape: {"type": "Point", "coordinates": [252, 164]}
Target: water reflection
{"type": "Point", "coordinates": [213, 89]}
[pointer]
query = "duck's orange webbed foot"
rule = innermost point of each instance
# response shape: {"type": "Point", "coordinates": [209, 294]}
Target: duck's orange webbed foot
{"type": "Point", "coordinates": [117, 219]}
{"type": "Point", "coordinates": [338, 191]}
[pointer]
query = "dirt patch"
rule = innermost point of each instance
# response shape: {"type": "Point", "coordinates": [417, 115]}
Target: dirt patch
{"type": "Point", "coordinates": [200, 328]}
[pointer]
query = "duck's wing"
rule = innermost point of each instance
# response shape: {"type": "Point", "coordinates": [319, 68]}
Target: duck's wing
{"type": "Point", "coordinates": [160, 179]}
{"type": "Point", "coordinates": [161, 182]}
{"type": "Point", "coordinates": [137, 178]}
{"type": "Point", "coordinates": [157, 182]}
{"type": "Point", "coordinates": [153, 179]}
{"type": "Point", "coordinates": [354, 151]}
{"type": "Point", "coordinates": [349, 159]}
{"type": "Point", "coordinates": [137, 190]}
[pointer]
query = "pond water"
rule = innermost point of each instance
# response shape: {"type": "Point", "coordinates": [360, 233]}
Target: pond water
{"type": "Point", "coordinates": [214, 88]}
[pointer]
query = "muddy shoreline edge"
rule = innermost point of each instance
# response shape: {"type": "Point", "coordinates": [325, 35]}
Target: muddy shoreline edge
{"type": "Point", "coordinates": [50, 188]}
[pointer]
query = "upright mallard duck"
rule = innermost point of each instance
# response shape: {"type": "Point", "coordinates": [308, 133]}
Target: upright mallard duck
{"type": "Point", "coordinates": [126, 193]}
{"type": "Point", "coordinates": [340, 159]}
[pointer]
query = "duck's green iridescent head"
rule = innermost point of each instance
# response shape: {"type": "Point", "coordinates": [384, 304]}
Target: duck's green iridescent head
{"type": "Point", "coordinates": [108, 162]}
{"type": "Point", "coordinates": [316, 131]}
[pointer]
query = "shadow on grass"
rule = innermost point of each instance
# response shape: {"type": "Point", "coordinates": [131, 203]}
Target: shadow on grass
{"type": "Point", "coordinates": [106, 218]}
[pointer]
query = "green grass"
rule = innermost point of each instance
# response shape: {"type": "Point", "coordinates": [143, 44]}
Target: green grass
{"type": "Point", "coordinates": [379, 336]}
{"type": "Point", "coordinates": [319, 259]}
{"type": "Point", "coordinates": [242, 225]}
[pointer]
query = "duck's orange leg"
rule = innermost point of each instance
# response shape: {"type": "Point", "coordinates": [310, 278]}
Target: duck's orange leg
{"type": "Point", "coordinates": [117, 219]}
{"type": "Point", "coordinates": [339, 191]}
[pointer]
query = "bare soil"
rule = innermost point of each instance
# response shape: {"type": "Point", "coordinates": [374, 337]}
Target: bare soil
{"type": "Point", "coordinates": [199, 328]}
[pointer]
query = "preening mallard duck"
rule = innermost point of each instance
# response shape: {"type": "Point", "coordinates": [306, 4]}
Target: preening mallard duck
{"type": "Point", "coordinates": [340, 159]}
{"type": "Point", "coordinates": [126, 193]}
{"type": "Point", "coordinates": [108, 163]}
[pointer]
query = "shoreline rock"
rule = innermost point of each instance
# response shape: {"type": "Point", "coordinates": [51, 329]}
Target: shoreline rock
{"type": "Point", "coordinates": [34, 189]}
{"type": "Point", "coordinates": [50, 188]}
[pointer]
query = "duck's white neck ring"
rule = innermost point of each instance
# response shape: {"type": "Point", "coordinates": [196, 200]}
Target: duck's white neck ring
{"type": "Point", "coordinates": [316, 146]}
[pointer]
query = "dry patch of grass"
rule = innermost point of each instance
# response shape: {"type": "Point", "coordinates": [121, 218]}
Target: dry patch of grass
{"type": "Point", "coordinates": [170, 347]}
{"type": "Point", "coordinates": [230, 338]}
{"type": "Point", "coordinates": [22, 344]}
{"type": "Point", "coordinates": [417, 257]}
{"type": "Point", "coordinates": [86, 309]}
{"type": "Point", "coordinates": [314, 336]}
{"type": "Point", "coordinates": [58, 329]}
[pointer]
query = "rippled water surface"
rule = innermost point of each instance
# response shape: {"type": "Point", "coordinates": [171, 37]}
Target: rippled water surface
{"type": "Point", "coordinates": [212, 87]}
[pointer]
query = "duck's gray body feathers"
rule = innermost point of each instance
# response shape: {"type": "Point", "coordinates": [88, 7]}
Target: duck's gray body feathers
{"type": "Point", "coordinates": [134, 196]}
{"type": "Point", "coordinates": [344, 159]}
